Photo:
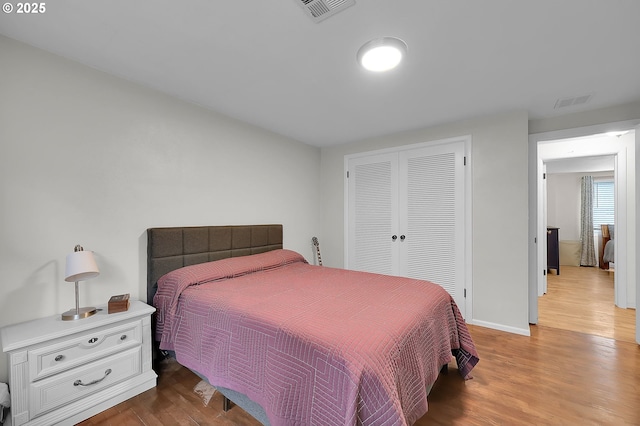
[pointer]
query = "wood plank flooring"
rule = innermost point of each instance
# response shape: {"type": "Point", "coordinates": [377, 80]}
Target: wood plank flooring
{"type": "Point", "coordinates": [582, 299]}
{"type": "Point", "coordinates": [576, 368]}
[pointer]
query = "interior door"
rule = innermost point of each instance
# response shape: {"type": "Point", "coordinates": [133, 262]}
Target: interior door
{"type": "Point", "coordinates": [373, 213]}
{"type": "Point", "coordinates": [432, 222]}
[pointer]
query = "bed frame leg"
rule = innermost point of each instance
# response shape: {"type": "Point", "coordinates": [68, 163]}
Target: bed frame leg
{"type": "Point", "coordinates": [226, 404]}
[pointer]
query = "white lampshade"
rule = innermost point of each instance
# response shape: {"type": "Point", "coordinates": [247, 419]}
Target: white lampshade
{"type": "Point", "coordinates": [81, 265]}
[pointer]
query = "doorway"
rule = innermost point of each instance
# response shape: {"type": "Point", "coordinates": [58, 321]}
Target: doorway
{"type": "Point", "coordinates": [588, 141]}
{"type": "Point", "coordinates": [562, 204]}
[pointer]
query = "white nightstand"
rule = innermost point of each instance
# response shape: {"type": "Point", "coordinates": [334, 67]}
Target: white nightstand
{"type": "Point", "coordinates": [63, 372]}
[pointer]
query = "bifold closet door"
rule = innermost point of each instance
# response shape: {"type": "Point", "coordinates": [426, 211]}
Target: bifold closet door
{"type": "Point", "coordinates": [431, 216]}
{"type": "Point", "coordinates": [406, 214]}
{"type": "Point", "coordinates": [373, 214]}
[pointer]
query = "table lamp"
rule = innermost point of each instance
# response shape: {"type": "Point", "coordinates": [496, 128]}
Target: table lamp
{"type": "Point", "coordinates": [80, 266]}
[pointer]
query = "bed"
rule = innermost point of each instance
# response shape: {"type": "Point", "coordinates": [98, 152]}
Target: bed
{"type": "Point", "coordinates": [607, 244]}
{"type": "Point", "coordinates": [294, 343]}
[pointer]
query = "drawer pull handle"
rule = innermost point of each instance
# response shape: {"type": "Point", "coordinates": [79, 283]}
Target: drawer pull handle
{"type": "Point", "coordinates": [124, 336]}
{"type": "Point", "coordinates": [59, 357]}
{"type": "Point", "coordinates": [79, 382]}
{"type": "Point", "coordinates": [93, 340]}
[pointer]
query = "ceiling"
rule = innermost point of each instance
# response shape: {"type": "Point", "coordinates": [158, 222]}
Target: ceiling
{"type": "Point", "coordinates": [601, 163]}
{"type": "Point", "coordinates": [267, 63]}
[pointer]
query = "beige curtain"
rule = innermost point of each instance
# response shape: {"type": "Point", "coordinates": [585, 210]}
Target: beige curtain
{"type": "Point", "coordinates": [588, 256]}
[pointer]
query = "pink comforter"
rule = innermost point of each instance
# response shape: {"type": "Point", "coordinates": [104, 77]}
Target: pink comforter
{"type": "Point", "coordinates": [313, 345]}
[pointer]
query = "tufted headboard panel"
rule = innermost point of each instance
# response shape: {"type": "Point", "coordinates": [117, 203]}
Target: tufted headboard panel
{"type": "Point", "coordinates": [172, 248]}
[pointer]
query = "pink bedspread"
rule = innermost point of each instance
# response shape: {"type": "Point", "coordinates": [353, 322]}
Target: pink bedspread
{"type": "Point", "coordinates": [313, 345]}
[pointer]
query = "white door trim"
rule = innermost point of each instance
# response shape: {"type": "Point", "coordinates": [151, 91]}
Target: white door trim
{"type": "Point", "coordinates": [536, 233]}
{"type": "Point", "coordinates": [637, 233]}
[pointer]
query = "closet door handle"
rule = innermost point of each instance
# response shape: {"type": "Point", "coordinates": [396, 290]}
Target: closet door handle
{"type": "Point", "coordinates": [402, 237]}
{"type": "Point", "coordinates": [394, 237]}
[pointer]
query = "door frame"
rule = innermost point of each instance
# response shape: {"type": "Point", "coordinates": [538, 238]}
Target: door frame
{"type": "Point", "coordinates": [468, 212]}
{"type": "Point", "coordinates": [536, 266]}
{"type": "Point", "coordinates": [620, 207]}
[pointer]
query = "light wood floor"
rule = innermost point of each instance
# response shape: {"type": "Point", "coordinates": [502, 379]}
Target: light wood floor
{"type": "Point", "coordinates": [582, 299]}
{"type": "Point", "coordinates": [570, 371]}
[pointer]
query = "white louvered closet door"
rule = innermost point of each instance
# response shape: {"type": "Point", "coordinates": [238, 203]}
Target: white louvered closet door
{"type": "Point", "coordinates": [416, 194]}
{"type": "Point", "coordinates": [431, 216]}
{"type": "Point", "coordinates": [373, 213]}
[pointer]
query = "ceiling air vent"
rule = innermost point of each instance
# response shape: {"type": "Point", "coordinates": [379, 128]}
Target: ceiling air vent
{"type": "Point", "coordinates": [575, 100]}
{"type": "Point", "coordinates": [322, 9]}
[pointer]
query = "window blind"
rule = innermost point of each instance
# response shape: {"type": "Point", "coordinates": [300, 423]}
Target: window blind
{"type": "Point", "coordinates": [603, 204]}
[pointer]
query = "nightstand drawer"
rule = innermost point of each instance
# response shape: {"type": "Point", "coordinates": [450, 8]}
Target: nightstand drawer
{"type": "Point", "coordinates": [62, 389]}
{"type": "Point", "coordinates": [87, 347]}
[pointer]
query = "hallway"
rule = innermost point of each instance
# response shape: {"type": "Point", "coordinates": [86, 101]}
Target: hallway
{"type": "Point", "coordinates": [582, 299]}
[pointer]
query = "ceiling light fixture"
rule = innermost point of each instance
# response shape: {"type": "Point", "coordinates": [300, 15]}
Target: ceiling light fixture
{"type": "Point", "coordinates": [382, 54]}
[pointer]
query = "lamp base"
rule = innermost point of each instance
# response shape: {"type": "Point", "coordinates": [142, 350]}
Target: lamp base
{"type": "Point", "coordinates": [81, 313]}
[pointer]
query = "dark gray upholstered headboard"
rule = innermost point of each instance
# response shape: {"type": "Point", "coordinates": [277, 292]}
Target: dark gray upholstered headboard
{"type": "Point", "coordinates": [172, 248]}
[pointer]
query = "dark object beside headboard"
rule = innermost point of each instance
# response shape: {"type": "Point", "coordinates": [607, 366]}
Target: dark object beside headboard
{"type": "Point", "coordinates": [172, 248]}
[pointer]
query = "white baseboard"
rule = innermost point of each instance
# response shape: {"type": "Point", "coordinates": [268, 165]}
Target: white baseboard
{"type": "Point", "coordinates": [502, 327]}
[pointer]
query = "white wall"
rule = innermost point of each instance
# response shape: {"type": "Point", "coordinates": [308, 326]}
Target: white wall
{"type": "Point", "coordinates": [563, 202]}
{"type": "Point", "coordinates": [500, 212]}
{"type": "Point", "coordinates": [87, 158]}
{"type": "Point", "coordinates": [613, 114]}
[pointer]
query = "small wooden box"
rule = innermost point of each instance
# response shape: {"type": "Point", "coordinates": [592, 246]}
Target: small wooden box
{"type": "Point", "coordinates": [119, 303]}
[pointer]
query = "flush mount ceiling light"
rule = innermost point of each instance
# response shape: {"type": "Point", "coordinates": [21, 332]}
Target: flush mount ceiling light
{"type": "Point", "coordinates": [382, 54]}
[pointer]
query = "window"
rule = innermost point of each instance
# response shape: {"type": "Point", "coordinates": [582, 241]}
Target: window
{"type": "Point", "coordinates": [603, 199]}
